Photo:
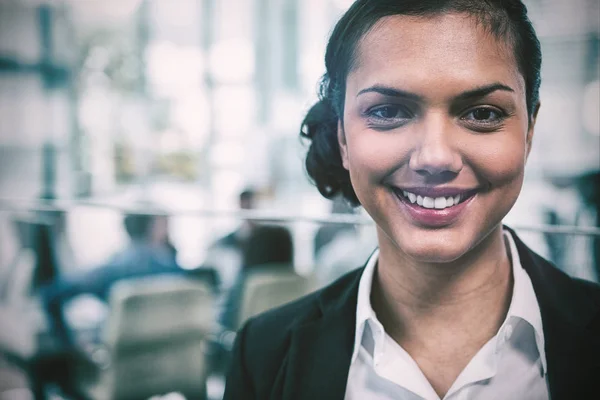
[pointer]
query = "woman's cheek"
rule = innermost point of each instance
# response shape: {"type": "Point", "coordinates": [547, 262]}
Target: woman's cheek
{"type": "Point", "coordinates": [376, 153]}
{"type": "Point", "coordinates": [500, 162]}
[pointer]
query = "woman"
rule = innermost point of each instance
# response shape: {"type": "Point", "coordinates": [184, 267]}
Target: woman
{"type": "Point", "coordinates": [426, 119]}
{"type": "Point", "coordinates": [267, 247]}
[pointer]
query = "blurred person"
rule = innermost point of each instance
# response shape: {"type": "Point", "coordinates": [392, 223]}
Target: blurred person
{"type": "Point", "coordinates": [588, 186]}
{"type": "Point", "coordinates": [18, 332]}
{"type": "Point", "coordinates": [225, 254]}
{"type": "Point", "coordinates": [237, 238]}
{"type": "Point", "coordinates": [326, 233]}
{"type": "Point", "coordinates": [340, 248]}
{"type": "Point", "coordinates": [45, 234]}
{"type": "Point", "coordinates": [267, 247]}
{"type": "Point", "coordinates": [40, 252]}
{"type": "Point", "coordinates": [80, 299]}
{"type": "Point", "coordinates": [426, 119]}
{"type": "Point", "coordinates": [148, 252]}
{"type": "Point", "coordinates": [344, 253]}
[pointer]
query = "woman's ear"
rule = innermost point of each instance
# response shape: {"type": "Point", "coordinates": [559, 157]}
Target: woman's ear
{"type": "Point", "coordinates": [530, 129]}
{"type": "Point", "coordinates": [341, 137]}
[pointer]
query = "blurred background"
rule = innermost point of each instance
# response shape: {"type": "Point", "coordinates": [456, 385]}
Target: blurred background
{"type": "Point", "coordinates": [161, 136]}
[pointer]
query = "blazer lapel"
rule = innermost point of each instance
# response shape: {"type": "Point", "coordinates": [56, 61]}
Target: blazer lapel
{"type": "Point", "coordinates": [568, 310]}
{"type": "Point", "coordinates": [320, 351]}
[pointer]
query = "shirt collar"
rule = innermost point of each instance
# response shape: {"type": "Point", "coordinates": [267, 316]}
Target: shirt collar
{"type": "Point", "coordinates": [523, 305]}
{"type": "Point", "coordinates": [364, 311]}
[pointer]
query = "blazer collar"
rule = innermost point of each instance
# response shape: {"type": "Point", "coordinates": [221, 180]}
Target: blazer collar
{"type": "Point", "coordinates": [568, 312]}
{"type": "Point", "coordinates": [320, 350]}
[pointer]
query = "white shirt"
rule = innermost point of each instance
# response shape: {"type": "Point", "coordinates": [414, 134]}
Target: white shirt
{"type": "Point", "coordinates": [511, 365]}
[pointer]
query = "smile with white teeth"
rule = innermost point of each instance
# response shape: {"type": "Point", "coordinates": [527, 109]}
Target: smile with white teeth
{"type": "Point", "coordinates": [438, 203]}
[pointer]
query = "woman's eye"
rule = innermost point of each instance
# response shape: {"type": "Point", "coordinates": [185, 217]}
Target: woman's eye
{"type": "Point", "coordinates": [388, 115]}
{"type": "Point", "coordinates": [389, 112]}
{"type": "Point", "coordinates": [386, 112]}
{"type": "Point", "coordinates": [484, 115]}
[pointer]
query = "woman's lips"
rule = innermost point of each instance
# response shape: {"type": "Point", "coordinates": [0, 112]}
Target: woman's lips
{"type": "Point", "coordinates": [434, 192]}
{"type": "Point", "coordinates": [438, 211]}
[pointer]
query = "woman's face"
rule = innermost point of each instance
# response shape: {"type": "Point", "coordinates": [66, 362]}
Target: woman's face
{"type": "Point", "coordinates": [435, 133]}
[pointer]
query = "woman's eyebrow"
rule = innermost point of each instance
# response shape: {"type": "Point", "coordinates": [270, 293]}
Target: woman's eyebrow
{"type": "Point", "coordinates": [478, 92]}
{"type": "Point", "coordinates": [392, 92]}
{"type": "Point", "coordinates": [482, 91]}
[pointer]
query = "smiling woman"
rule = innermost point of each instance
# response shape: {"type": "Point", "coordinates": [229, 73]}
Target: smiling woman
{"type": "Point", "coordinates": [426, 119]}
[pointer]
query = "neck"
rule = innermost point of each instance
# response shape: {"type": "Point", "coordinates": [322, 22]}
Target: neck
{"type": "Point", "coordinates": [412, 298]}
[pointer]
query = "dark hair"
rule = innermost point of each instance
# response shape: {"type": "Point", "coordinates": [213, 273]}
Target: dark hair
{"type": "Point", "coordinates": [138, 226]}
{"type": "Point", "coordinates": [268, 245]}
{"type": "Point", "coordinates": [503, 18]}
{"type": "Point", "coordinates": [247, 194]}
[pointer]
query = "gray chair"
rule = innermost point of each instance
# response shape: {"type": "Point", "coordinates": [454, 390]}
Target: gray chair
{"type": "Point", "coordinates": [271, 286]}
{"type": "Point", "coordinates": [154, 340]}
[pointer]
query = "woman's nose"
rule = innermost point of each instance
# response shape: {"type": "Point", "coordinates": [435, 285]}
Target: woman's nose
{"type": "Point", "coordinates": [435, 152]}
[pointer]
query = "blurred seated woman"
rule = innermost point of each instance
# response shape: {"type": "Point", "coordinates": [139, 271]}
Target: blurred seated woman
{"type": "Point", "coordinates": [426, 119]}
{"type": "Point", "coordinates": [267, 247]}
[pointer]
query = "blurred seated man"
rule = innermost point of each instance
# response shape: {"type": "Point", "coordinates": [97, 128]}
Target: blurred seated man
{"type": "Point", "coordinates": [76, 304]}
{"type": "Point", "coordinates": [148, 252]}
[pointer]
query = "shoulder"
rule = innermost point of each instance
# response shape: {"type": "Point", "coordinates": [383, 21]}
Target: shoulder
{"type": "Point", "coordinates": [307, 308]}
{"type": "Point", "coordinates": [589, 289]}
{"type": "Point", "coordinates": [263, 342]}
{"type": "Point", "coordinates": [584, 295]}
{"type": "Point", "coordinates": [579, 288]}
{"type": "Point", "coordinates": [268, 335]}
{"type": "Point", "coordinates": [260, 349]}
{"type": "Point", "coordinates": [271, 330]}
{"type": "Point", "coordinates": [589, 293]}
{"type": "Point", "coordinates": [578, 300]}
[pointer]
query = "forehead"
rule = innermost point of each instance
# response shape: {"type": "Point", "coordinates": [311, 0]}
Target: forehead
{"type": "Point", "coordinates": [449, 48]}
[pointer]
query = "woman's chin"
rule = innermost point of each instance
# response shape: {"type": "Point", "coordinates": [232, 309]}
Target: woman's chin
{"type": "Point", "coordinates": [437, 257]}
{"type": "Point", "coordinates": [446, 248]}
{"type": "Point", "coordinates": [435, 251]}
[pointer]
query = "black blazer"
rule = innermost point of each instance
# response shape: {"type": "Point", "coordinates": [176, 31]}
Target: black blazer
{"type": "Point", "coordinates": [302, 350]}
